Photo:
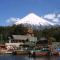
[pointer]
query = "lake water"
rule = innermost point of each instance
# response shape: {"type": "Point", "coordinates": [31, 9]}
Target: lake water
{"type": "Point", "coordinates": [15, 57]}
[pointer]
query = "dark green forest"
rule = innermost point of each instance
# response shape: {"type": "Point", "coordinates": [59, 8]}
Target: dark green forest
{"type": "Point", "coordinates": [6, 31]}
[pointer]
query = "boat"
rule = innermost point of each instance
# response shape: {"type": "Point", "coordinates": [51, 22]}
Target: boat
{"type": "Point", "coordinates": [44, 52]}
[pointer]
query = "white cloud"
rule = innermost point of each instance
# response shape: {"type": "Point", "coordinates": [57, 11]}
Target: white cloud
{"type": "Point", "coordinates": [53, 17]}
{"type": "Point", "coordinates": [58, 15]}
{"type": "Point", "coordinates": [56, 20]}
{"type": "Point", "coordinates": [50, 16]}
{"type": "Point", "coordinates": [12, 20]}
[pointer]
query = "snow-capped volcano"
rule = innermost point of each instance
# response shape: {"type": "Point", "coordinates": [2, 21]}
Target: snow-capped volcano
{"type": "Point", "coordinates": [33, 19]}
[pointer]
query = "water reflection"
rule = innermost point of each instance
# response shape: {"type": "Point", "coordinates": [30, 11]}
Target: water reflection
{"type": "Point", "coordinates": [40, 58]}
{"type": "Point", "coordinates": [11, 57]}
{"type": "Point", "coordinates": [46, 58]}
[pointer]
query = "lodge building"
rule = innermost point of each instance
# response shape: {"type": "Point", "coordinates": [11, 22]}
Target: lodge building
{"type": "Point", "coordinates": [19, 40]}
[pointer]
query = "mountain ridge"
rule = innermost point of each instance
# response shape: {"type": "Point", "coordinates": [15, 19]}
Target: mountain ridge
{"type": "Point", "coordinates": [34, 19]}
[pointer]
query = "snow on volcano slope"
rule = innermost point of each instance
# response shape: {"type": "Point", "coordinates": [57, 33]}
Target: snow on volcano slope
{"type": "Point", "coordinates": [33, 19]}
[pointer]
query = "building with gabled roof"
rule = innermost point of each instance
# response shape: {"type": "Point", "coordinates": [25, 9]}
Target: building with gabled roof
{"type": "Point", "coordinates": [19, 40]}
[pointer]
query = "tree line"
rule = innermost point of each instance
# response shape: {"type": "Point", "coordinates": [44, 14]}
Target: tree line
{"type": "Point", "coordinates": [6, 31]}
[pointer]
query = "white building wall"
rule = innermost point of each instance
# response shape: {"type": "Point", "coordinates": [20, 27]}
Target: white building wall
{"type": "Point", "coordinates": [13, 44]}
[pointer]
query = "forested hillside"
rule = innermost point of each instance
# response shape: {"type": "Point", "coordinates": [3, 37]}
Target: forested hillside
{"type": "Point", "coordinates": [6, 31]}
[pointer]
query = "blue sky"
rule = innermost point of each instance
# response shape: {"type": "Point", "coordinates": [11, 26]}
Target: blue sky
{"type": "Point", "coordinates": [20, 8]}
